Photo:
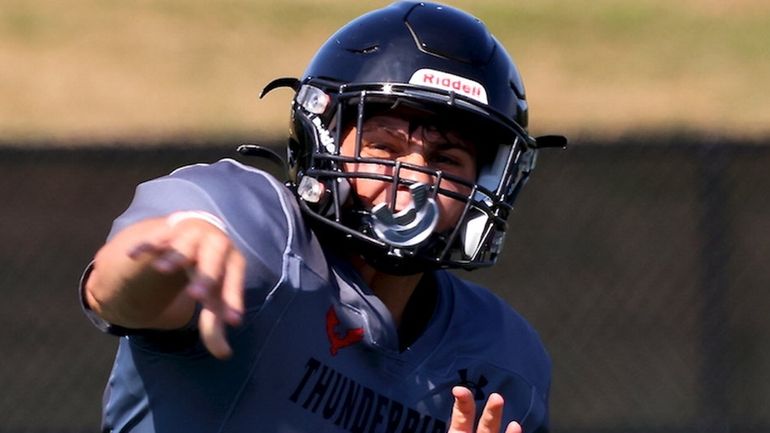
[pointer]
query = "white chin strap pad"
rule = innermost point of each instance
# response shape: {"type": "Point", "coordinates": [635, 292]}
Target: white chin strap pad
{"type": "Point", "coordinates": [473, 234]}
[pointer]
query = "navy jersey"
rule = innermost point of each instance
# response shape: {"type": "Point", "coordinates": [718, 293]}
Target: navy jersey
{"type": "Point", "coordinates": [317, 351]}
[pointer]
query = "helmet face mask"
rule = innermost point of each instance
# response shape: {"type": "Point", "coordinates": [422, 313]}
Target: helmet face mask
{"type": "Point", "coordinates": [343, 88]}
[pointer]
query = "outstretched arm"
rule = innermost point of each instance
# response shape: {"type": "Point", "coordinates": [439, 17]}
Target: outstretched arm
{"type": "Point", "coordinates": [152, 273]}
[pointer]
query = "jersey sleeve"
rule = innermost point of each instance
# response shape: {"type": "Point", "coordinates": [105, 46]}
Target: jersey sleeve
{"type": "Point", "coordinates": [260, 216]}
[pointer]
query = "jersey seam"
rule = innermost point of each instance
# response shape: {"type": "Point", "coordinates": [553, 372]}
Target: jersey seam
{"type": "Point", "coordinates": [205, 195]}
{"type": "Point", "coordinates": [286, 214]}
{"type": "Point", "coordinates": [281, 199]}
{"type": "Point", "coordinates": [271, 292]}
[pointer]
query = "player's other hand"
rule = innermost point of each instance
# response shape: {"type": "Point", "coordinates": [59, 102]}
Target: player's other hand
{"type": "Point", "coordinates": [463, 418]}
{"type": "Point", "coordinates": [215, 271]}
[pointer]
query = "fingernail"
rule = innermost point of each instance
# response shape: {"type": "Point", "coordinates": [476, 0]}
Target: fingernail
{"type": "Point", "coordinates": [201, 285]}
{"type": "Point", "coordinates": [233, 317]}
{"type": "Point", "coordinates": [196, 289]}
{"type": "Point", "coordinates": [164, 265]}
{"type": "Point", "coordinates": [137, 250]}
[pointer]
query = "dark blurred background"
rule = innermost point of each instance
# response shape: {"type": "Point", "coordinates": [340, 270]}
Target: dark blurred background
{"type": "Point", "coordinates": [639, 253]}
{"type": "Point", "coordinates": [643, 266]}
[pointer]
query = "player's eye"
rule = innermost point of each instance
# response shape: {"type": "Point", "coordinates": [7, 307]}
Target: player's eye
{"type": "Point", "coordinates": [451, 156]}
{"type": "Point", "coordinates": [454, 161]}
{"type": "Point", "coordinates": [379, 149]}
{"type": "Point", "coordinates": [444, 159]}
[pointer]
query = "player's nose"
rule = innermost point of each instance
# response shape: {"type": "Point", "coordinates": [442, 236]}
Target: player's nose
{"type": "Point", "coordinates": [417, 159]}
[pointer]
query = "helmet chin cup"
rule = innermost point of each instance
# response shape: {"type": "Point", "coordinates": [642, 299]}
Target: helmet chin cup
{"type": "Point", "coordinates": [412, 225]}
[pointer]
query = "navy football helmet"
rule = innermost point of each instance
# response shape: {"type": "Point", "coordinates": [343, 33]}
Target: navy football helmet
{"type": "Point", "coordinates": [443, 65]}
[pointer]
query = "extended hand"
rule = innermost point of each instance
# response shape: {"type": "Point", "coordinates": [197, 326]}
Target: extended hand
{"type": "Point", "coordinates": [215, 270]}
{"type": "Point", "coordinates": [464, 414]}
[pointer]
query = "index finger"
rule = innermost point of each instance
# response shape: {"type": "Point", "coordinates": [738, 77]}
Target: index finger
{"type": "Point", "coordinates": [212, 331]}
{"type": "Point", "coordinates": [463, 411]}
{"type": "Point", "coordinates": [233, 287]}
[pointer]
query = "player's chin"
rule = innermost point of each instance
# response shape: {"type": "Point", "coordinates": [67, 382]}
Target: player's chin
{"type": "Point", "coordinates": [449, 216]}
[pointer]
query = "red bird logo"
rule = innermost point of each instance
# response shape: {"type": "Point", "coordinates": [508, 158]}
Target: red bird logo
{"type": "Point", "coordinates": [351, 336]}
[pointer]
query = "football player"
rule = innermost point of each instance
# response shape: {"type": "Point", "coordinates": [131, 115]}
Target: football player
{"type": "Point", "coordinates": [325, 304]}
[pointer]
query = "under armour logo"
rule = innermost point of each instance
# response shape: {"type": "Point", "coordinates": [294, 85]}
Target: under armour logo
{"type": "Point", "coordinates": [338, 341]}
{"type": "Point", "coordinates": [475, 387]}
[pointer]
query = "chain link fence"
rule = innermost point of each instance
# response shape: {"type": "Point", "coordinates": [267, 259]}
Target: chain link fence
{"type": "Point", "coordinates": [642, 263]}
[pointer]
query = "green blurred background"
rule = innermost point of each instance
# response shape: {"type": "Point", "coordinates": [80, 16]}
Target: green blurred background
{"type": "Point", "coordinates": [640, 253]}
{"type": "Point", "coordinates": [92, 69]}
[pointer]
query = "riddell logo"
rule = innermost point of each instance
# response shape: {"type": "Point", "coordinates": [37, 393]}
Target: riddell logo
{"type": "Point", "coordinates": [451, 82]}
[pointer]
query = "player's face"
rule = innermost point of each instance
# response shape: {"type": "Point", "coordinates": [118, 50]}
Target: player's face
{"type": "Point", "coordinates": [390, 137]}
